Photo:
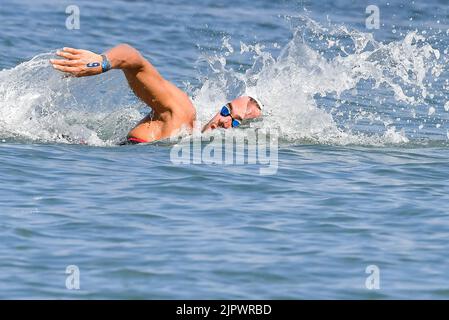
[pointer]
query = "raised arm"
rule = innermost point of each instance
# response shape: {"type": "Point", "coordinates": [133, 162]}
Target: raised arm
{"type": "Point", "coordinates": [142, 76]}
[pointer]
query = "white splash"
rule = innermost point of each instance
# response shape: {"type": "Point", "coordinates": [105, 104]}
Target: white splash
{"type": "Point", "coordinates": [288, 84]}
{"type": "Point", "coordinates": [37, 104]}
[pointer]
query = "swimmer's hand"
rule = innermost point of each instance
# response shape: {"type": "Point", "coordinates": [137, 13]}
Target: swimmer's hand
{"type": "Point", "coordinates": [78, 63]}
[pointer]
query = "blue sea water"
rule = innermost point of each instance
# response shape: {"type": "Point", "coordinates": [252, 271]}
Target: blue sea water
{"type": "Point", "coordinates": [362, 173]}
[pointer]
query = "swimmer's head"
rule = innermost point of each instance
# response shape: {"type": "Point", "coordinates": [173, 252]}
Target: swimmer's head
{"type": "Point", "coordinates": [234, 113]}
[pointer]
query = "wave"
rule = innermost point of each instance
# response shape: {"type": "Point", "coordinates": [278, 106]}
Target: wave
{"type": "Point", "coordinates": [337, 86]}
{"type": "Point", "coordinates": [327, 85]}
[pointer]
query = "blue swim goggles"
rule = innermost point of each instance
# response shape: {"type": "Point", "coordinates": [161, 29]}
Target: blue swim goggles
{"type": "Point", "coordinates": [225, 112]}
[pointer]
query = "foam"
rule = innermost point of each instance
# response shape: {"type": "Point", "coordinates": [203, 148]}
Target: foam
{"type": "Point", "coordinates": [37, 104]}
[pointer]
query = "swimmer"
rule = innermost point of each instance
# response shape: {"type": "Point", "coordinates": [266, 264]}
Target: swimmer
{"type": "Point", "coordinates": [172, 109]}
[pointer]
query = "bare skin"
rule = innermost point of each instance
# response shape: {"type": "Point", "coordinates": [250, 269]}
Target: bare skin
{"type": "Point", "coordinates": [172, 108]}
{"type": "Point", "coordinates": [242, 108]}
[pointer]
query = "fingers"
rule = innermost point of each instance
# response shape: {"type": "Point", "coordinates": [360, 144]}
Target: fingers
{"type": "Point", "coordinates": [71, 59]}
{"type": "Point", "coordinates": [75, 62]}
{"type": "Point", "coordinates": [72, 50]}
{"type": "Point", "coordinates": [67, 55]}
{"type": "Point", "coordinates": [68, 63]}
{"type": "Point", "coordinates": [72, 70]}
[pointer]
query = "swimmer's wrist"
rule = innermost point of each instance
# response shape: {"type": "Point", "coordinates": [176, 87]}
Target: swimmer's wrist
{"type": "Point", "coordinates": [105, 64]}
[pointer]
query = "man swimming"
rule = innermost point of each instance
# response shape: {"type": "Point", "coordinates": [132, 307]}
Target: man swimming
{"type": "Point", "coordinates": [172, 110]}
